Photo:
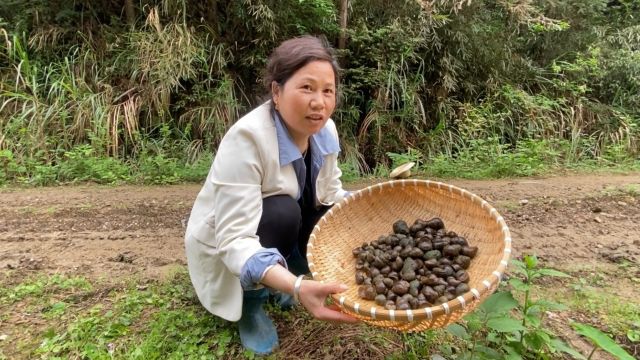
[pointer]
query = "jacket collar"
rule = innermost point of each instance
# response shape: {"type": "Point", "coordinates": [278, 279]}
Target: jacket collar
{"type": "Point", "coordinates": [322, 143]}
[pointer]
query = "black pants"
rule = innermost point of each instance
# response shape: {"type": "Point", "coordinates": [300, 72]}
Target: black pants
{"type": "Point", "coordinates": [286, 226]}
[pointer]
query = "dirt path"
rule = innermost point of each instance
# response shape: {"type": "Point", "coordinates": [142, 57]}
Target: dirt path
{"type": "Point", "coordinates": [582, 224]}
{"type": "Point", "coordinates": [110, 232]}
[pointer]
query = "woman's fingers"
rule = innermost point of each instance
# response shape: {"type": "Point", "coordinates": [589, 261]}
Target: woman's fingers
{"type": "Point", "coordinates": [313, 297]}
{"type": "Point", "coordinates": [333, 288]}
{"type": "Point", "coordinates": [328, 314]}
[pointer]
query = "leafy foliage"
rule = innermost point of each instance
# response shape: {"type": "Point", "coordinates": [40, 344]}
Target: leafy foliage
{"type": "Point", "coordinates": [467, 84]}
{"type": "Point", "coordinates": [505, 327]}
{"type": "Point", "coordinates": [601, 340]}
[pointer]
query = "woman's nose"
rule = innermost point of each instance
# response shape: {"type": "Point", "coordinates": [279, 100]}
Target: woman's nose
{"type": "Point", "coordinates": [317, 101]}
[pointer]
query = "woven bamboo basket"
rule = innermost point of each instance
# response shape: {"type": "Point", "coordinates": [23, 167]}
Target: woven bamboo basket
{"type": "Point", "coordinates": [368, 213]}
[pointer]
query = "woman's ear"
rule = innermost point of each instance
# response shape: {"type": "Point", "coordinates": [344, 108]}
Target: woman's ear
{"type": "Point", "coordinates": [275, 92]}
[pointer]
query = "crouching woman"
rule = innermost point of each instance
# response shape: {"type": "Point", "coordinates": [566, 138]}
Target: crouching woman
{"type": "Point", "coordinates": [274, 175]}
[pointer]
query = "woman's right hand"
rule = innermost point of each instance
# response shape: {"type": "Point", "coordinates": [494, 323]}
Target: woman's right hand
{"type": "Point", "coordinates": [313, 295]}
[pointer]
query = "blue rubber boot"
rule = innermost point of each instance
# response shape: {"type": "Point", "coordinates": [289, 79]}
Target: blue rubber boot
{"type": "Point", "coordinates": [257, 332]}
{"type": "Point", "coordinates": [283, 300]}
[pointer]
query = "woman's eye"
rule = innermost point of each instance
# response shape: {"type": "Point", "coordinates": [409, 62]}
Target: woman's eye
{"type": "Point", "coordinates": [328, 91]}
{"type": "Point", "coordinates": [306, 87]}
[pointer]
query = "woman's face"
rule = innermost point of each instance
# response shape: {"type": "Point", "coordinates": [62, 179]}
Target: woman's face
{"type": "Point", "coordinates": [307, 99]}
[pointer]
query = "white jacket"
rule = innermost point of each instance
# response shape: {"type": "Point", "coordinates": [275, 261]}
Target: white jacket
{"type": "Point", "coordinates": [221, 234]}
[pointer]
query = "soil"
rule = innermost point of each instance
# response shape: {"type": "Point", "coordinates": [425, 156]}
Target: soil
{"type": "Point", "coordinates": [574, 223]}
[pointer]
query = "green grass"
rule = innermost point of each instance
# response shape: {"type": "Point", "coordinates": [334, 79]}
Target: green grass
{"type": "Point", "coordinates": [479, 159]}
{"type": "Point", "coordinates": [617, 313]}
{"type": "Point", "coordinates": [632, 190]}
{"type": "Point", "coordinates": [421, 345]}
{"type": "Point", "coordinates": [490, 159]}
{"type": "Point", "coordinates": [42, 286]}
{"type": "Point", "coordinates": [164, 320]}
{"type": "Point", "coordinates": [81, 164]}
{"type": "Point", "coordinates": [161, 321]}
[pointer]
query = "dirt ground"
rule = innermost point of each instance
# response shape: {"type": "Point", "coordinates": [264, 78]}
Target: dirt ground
{"type": "Point", "coordinates": [578, 222]}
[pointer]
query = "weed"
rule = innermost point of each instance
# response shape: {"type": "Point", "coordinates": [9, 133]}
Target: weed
{"type": "Point", "coordinates": [503, 327]}
{"type": "Point", "coordinates": [601, 341]}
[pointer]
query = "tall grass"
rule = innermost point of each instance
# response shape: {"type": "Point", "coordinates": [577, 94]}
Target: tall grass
{"type": "Point", "coordinates": [451, 80]}
{"type": "Point", "coordinates": [114, 102]}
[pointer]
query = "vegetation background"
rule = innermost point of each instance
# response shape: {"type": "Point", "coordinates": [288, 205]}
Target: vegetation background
{"type": "Point", "coordinates": [142, 91]}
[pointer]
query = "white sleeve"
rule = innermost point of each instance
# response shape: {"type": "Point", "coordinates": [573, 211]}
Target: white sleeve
{"type": "Point", "coordinates": [237, 177]}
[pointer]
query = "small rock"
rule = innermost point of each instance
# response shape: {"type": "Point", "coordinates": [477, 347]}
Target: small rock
{"type": "Point", "coordinates": [596, 209]}
{"type": "Point", "coordinates": [616, 257]}
{"type": "Point", "coordinates": [622, 203]}
{"type": "Point", "coordinates": [598, 220]}
{"type": "Point", "coordinates": [524, 202]}
{"type": "Point", "coordinates": [4, 337]}
{"type": "Point", "coordinates": [599, 246]}
{"type": "Point", "coordinates": [125, 257]}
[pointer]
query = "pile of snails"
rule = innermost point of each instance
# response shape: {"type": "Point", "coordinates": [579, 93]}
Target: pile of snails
{"type": "Point", "coordinates": [414, 267]}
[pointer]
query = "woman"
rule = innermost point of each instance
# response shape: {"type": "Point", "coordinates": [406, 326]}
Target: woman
{"type": "Point", "coordinates": [274, 175]}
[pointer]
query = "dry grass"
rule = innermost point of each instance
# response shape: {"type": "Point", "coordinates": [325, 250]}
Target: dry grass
{"type": "Point", "coordinates": [301, 337]}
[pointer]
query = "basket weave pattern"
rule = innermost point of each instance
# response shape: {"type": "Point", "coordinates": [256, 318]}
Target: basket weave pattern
{"type": "Point", "coordinates": [368, 213]}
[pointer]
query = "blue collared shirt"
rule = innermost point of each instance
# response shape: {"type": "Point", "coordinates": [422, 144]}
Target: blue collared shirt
{"type": "Point", "coordinates": [321, 144]}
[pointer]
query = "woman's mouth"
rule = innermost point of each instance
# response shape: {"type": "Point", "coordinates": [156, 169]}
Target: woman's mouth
{"type": "Point", "coordinates": [315, 117]}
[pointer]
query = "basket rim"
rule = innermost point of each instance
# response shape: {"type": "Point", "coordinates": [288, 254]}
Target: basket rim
{"type": "Point", "coordinates": [428, 313]}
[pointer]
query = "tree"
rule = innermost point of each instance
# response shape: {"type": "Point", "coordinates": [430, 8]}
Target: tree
{"type": "Point", "coordinates": [344, 5]}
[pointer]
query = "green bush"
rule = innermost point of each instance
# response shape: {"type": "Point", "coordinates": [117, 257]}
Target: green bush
{"type": "Point", "coordinates": [80, 164]}
{"type": "Point", "coordinates": [449, 79]}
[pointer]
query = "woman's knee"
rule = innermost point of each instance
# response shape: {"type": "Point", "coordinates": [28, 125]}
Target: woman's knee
{"type": "Point", "coordinates": [280, 223]}
{"type": "Point", "coordinates": [282, 209]}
